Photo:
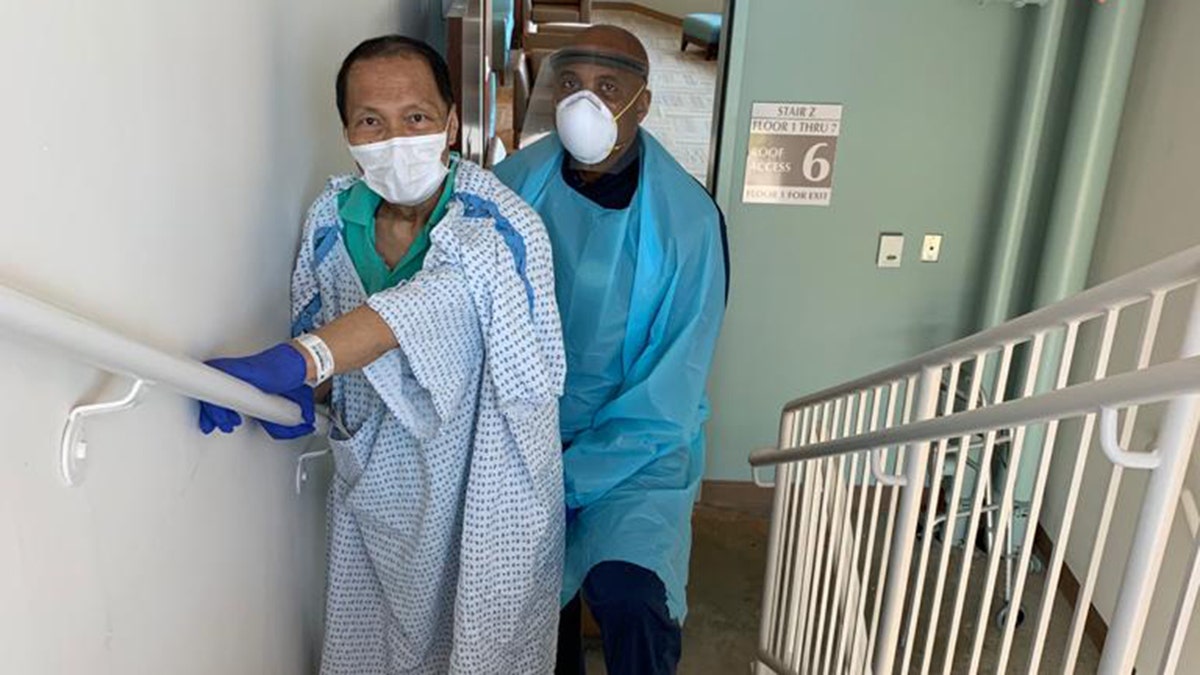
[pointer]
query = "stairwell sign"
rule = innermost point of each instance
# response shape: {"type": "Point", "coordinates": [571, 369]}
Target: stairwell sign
{"type": "Point", "coordinates": [792, 148]}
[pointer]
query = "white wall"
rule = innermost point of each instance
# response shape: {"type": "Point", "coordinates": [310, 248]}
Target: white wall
{"type": "Point", "coordinates": [156, 159]}
{"type": "Point", "coordinates": [1152, 209]}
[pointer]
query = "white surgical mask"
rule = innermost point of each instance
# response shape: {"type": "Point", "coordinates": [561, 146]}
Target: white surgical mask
{"type": "Point", "coordinates": [405, 170]}
{"type": "Point", "coordinates": [586, 127]}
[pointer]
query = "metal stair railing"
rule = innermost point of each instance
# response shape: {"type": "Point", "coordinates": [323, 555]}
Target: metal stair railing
{"type": "Point", "coordinates": [868, 473]}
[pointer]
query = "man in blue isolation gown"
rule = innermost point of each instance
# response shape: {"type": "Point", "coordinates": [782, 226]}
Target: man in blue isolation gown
{"type": "Point", "coordinates": [640, 275]}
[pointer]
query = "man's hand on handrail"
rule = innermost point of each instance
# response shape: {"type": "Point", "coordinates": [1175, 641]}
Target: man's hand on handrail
{"type": "Point", "coordinates": [355, 340]}
{"type": "Point", "coordinates": [280, 370]}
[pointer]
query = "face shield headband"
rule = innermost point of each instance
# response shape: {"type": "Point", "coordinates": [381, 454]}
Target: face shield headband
{"type": "Point", "coordinates": [572, 55]}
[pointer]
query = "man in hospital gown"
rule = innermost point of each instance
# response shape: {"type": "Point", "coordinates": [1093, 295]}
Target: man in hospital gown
{"type": "Point", "coordinates": [424, 289]}
{"type": "Point", "coordinates": [640, 274]}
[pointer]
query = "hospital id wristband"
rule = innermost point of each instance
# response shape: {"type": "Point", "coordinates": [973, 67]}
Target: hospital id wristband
{"type": "Point", "coordinates": [321, 355]}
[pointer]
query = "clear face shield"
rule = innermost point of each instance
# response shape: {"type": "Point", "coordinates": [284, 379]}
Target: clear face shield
{"type": "Point", "coordinates": [590, 98]}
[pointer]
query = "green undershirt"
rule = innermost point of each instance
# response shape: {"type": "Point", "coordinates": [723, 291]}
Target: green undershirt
{"type": "Point", "coordinates": [357, 205]}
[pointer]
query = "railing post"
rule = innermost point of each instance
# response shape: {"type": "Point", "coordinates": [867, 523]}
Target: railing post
{"type": "Point", "coordinates": [905, 533]}
{"type": "Point", "coordinates": [784, 475]}
{"type": "Point", "coordinates": [1177, 434]}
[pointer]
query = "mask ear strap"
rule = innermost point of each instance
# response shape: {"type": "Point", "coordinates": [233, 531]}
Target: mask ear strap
{"type": "Point", "coordinates": [629, 105]}
{"type": "Point", "coordinates": [631, 102]}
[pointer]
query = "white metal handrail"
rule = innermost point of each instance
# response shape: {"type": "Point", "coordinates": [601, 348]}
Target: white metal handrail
{"type": "Point", "coordinates": [869, 472]}
{"type": "Point", "coordinates": [1156, 383]}
{"type": "Point", "coordinates": [45, 324]}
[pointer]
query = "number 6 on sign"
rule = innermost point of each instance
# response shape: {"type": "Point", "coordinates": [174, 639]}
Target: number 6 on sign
{"type": "Point", "coordinates": [816, 169]}
{"type": "Point", "coordinates": [791, 153]}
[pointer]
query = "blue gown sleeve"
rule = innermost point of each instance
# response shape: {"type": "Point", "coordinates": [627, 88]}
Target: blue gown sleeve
{"type": "Point", "coordinates": [659, 407]}
{"type": "Point", "coordinates": [306, 298]}
{"type": "Point", "coordinates": [319, 236]}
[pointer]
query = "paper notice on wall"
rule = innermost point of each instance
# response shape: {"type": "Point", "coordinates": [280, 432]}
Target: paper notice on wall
{"type": "Point", "coordinates": [791, 154]}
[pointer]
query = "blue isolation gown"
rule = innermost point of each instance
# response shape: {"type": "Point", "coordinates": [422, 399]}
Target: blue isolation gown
{"type": "Point", "coordinates": [641, 291]}
{"type": "Point", "coordinates": [445, 507]}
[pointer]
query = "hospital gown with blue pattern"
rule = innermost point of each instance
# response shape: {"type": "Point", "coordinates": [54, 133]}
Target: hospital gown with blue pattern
{"type": "Point", "coordinates": [446, 505]}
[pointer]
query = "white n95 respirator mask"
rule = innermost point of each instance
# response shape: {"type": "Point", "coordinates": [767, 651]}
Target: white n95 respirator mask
{"type": "Point", "coordinates": [405, 170]}
{"type": "Point", "coordinates": [586, 127]}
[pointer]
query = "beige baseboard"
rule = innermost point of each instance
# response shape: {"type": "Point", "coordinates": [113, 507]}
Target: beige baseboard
{"type": "Point", "coordinates": [639, 9]}
{"type": "Point", "coordinates": [736, 495]}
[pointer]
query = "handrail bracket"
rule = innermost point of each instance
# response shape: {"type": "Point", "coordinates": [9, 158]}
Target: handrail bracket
{"type": "Point", "coordinates": [302, 470]}
{"type": "Point", "coordinates": [73, 449]}
{"type": "Point", "coordinates": [1118, 455]}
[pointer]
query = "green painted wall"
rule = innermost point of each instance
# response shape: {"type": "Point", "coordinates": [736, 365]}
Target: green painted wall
{"type": "Point", "coordinates": [929, 88]}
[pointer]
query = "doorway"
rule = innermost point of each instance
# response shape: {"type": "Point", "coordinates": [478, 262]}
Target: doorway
{"type": "Point", "coordinates": [685, 73]}
{"type": "Point", "coordinates": [683, 79]}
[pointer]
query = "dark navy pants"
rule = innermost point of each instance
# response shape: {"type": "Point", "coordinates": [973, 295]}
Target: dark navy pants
{"type": "Point", "coordinates": [630, 605]}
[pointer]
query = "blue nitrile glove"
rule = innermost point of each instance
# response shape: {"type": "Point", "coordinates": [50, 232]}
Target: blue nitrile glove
{"type": "Point", "coordinates": [303, 397]}
{"type": "Point", "coordinates": [572, 514]}
{"type": "Point", "coordinates": [279, 370]}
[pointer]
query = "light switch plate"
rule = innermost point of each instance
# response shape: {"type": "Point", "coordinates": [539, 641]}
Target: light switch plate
{"type": "Point", "coordinates": [891, 250]}
{"type": "Point", "coordinates": [931, 248]}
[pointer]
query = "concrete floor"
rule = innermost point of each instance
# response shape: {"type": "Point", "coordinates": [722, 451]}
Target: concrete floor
{"type": "Point", "coordinates": [721, 633]}
{"type": "Point", "coordinates": [725, 589]}
{"type": "Point", "coordinates": [725, 592]}
{"type": "Point", "coordinates": [1057, 636]}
